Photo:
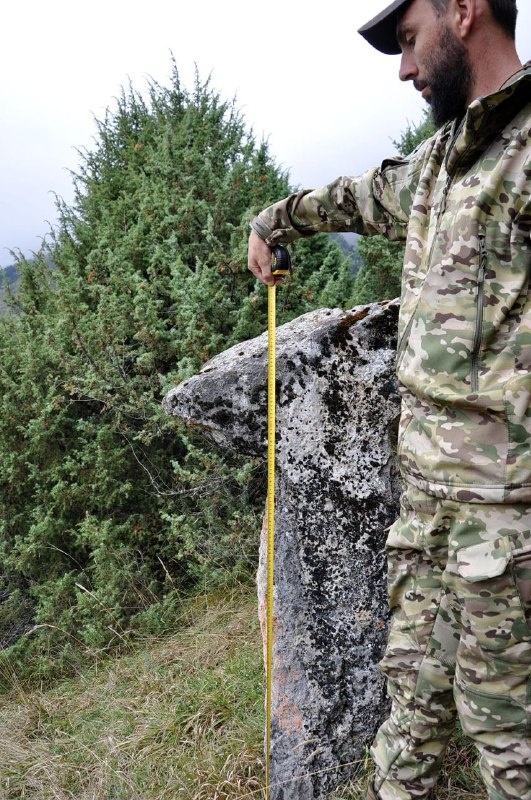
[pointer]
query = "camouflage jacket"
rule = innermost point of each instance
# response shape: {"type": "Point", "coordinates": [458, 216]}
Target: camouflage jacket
{"type": "Point", "coordinates": [462, 202]}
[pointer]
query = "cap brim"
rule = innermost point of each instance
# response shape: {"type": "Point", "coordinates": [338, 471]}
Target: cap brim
{"type": "Point", "coordinates": [380, 31]}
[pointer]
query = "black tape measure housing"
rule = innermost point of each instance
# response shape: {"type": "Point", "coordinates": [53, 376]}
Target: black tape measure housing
{"type": "Point", "coordinates": [280, 260]}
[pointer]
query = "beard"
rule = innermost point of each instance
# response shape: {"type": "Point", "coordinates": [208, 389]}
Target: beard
{"type": "Point", "coordinates": [450, 78]}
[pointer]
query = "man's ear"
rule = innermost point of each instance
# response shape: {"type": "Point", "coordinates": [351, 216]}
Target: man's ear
{"type": "Point", "coordinates": [462, 16]}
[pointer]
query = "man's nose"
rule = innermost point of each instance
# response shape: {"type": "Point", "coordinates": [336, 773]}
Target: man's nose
{"type": "Point", "coordinates": [408, 67]}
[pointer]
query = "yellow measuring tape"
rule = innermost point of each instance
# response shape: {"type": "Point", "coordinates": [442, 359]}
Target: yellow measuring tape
{"type": "Point", "coordinates": [271, 402]}
{"type": "Point", "coordinates": [280, 266]}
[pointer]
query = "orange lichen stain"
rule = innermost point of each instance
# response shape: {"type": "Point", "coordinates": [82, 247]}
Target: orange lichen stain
{"type": "Point", "coordinates": [289, 717]}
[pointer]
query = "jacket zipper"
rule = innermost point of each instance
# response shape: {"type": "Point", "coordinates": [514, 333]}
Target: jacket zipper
{"type": "Point", "coordinates": [444, 199]}
{"type": "Point", "coordinates": [480, 305]}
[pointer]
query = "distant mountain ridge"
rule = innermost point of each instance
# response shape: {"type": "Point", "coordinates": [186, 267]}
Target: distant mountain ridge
{"type": "Point", "coordinates": [348, 242]}
{"type": "Point", "coordinates": [10, 273]}
{"type": "Point", "coordinates": [8, 277]}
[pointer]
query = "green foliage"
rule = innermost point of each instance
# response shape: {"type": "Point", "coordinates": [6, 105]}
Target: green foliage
{"type": "Point", "coordinates": [416, 134]}
{"type": "Point", "coordinates": [182, 717]}
{"type": "Point", "coordinates": [380, 275]}
{"type": "Point", "coordinates": [108, 507]}
{"type": "Point", "coordinates": [8, 281]}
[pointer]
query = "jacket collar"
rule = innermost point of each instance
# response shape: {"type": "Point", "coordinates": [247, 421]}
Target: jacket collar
{"type": "Point", "coordinates": [486, 117]}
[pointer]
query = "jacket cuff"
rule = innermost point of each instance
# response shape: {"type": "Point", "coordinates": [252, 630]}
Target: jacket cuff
{"type": "Point", "coordinates": [261, 228]}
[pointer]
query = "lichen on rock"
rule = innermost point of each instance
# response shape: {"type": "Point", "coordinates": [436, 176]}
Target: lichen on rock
{"type": "Point", "coordinates": [336, 493]}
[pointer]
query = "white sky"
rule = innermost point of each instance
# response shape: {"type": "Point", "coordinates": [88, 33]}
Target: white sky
{"type": "Point", "coordinates": [302, 76]}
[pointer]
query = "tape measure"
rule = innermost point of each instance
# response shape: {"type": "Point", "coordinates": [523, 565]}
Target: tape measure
{"type": "Point", "coordinates": [280, 261]}
{"type": "Point", "coordinates": [280, 267]}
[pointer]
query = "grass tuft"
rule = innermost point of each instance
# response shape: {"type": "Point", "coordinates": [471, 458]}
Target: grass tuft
{"type": "Point", "coordinates": [181, 717]}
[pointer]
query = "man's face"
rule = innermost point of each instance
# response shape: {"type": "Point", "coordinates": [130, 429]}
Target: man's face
{"type": "Point", "coordinates": [436, 60]}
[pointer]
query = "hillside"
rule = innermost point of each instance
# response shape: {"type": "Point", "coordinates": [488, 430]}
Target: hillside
{"type": "Point", "coordinates": [348, 244]}
{"type": "Point", "coordinates": [8, 277]}
{"type": "Point", "coordinates": [179, 717]}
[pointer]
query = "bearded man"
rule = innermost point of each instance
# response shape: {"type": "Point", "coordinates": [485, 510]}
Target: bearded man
{"type": "Point", "coordinates": [460, 553]}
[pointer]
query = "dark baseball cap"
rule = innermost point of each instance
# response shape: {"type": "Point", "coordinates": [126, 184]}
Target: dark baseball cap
{"type": "Point", "coordinates": [381, 31]}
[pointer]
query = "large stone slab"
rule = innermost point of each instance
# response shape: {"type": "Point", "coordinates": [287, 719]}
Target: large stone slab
{"type": "Point", "coordinates": [336, 494]}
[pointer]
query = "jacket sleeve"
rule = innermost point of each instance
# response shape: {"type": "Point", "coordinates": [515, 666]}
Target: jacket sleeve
{"type": "Point", "coordinates": [377, 202]}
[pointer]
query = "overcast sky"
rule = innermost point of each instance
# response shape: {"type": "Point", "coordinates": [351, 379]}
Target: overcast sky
{"type": "Point", "coordinates": [301, 75]}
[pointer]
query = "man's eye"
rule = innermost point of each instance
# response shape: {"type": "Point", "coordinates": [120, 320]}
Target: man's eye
{"type": "Point", "coordinates": [411, 41]}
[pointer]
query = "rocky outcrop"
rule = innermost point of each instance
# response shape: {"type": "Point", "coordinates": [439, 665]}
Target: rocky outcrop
{"type": "Point", "coordinates": [336, 494]}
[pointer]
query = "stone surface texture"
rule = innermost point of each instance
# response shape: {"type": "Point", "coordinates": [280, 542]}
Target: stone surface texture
{"type": "Point", "coordinates": [336, 494]}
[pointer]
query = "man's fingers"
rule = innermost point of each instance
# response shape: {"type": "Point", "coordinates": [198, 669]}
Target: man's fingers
{"type": "Point", "coordinates": [259, 259]}
{"type": "Point", "coordinates": [262, 275]}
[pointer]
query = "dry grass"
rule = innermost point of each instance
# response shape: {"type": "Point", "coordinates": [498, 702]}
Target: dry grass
{"type": "Point", "coordinates": [459, 779]}
{"type": "Point", "coordinates": [181, 718]}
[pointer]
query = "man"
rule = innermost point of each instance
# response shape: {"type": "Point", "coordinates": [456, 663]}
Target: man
{"type": "Point", "coordinates": [460, 554]}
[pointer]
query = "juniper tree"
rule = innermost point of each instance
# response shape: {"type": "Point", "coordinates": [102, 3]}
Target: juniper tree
{"type": "Point", "coordinates": [108, 505]}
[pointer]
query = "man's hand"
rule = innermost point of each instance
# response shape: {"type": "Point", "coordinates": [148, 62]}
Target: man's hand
{"type": "Point", "coordinates": [259, 259]}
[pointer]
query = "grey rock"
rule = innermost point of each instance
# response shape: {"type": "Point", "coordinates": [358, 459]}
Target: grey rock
{"type": "Point", "coordinates": [336, 494]}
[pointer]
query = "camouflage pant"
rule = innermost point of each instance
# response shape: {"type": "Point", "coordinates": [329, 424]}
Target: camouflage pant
{"type": "Point", "coordinates": [460, 644]}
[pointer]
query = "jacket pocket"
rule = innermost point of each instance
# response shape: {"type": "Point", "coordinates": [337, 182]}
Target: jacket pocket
{"type": "Point", "coordinates": [504, 567]}
{"type": "Point", "coordinates": [522, 576]}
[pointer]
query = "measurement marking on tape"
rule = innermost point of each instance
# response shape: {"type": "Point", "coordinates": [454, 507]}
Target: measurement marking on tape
{"type": "Point", "coordinates": [271, 403]}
